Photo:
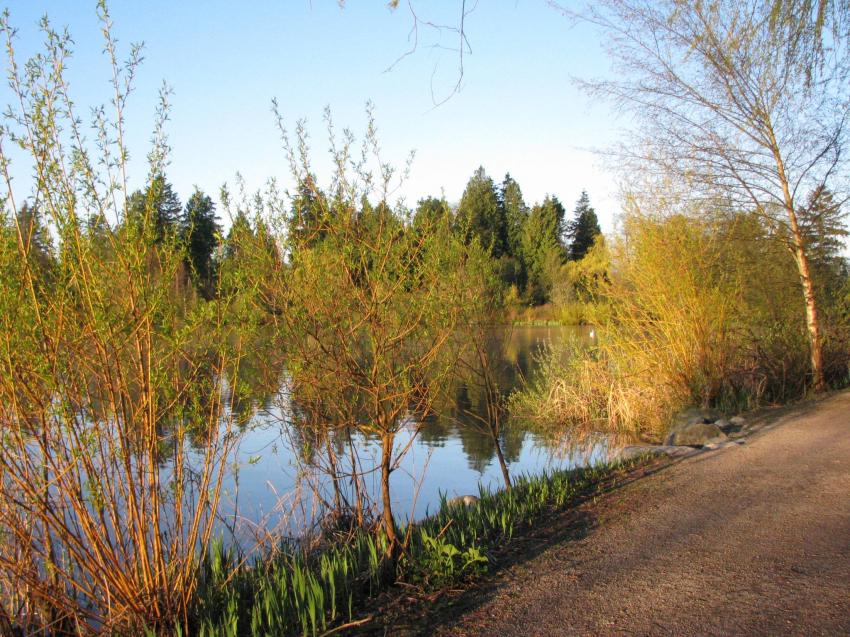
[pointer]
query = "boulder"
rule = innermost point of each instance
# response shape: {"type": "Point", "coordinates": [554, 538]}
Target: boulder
{"type": "Point", "coordinates": [695, 434]}
{"type": "Point", "coordinates": [738, 421]}
{"type": "Point", "coordinates": [636, 451]}
{"type": "Point", "coordinates": [695, 415]}
{"type": "Point", "coordinates": [462, 500]}
{"type": "Point", "coordinates": [726, 426]}
{"type": "Point", "coordinates": [723, 445]}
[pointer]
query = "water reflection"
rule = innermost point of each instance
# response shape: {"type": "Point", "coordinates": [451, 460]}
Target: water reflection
{"type": "Point", "coordinates": [452, 453]}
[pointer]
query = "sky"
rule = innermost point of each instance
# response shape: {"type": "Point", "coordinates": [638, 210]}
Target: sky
{"type": "Point", "coordinates": [517, 110]}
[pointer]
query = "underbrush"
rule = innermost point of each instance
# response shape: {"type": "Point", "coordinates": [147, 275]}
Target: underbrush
{"type": "Point", "coordinates": [728, 331]}
{"type": "Point", "coordinates": [297, 591]}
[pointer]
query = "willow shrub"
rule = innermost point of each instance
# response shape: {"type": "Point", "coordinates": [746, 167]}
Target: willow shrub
{"type": "Point", "coordinates": [114, 428]}
{"type": "Point", "coordinates": [368, 307]}
{"type": "Point", "coordinates": [702, 312]}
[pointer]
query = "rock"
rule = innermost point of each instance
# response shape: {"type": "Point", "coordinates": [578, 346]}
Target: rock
{"type": "Point", "coordinates": [631, 452]}
{"type": "Point", "coordinates": [723, 445]}
{"type": "Point", "coordinates": [727, 426]}
{"type": "Point", "coordinates": [465, 500]}
{"type": "Point", "coordinates": [675, 451]}
{"type": "Point", "coordinates": [738, 421]}
{"type": "Point", "coordinates": [636, 451]}
{"type": "Point", "coordinates": [696, 434]}
{"type": "Point", "coordinates": [695, 415]}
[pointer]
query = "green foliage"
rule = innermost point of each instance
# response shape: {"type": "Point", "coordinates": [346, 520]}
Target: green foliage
{"type": "Point", "coordinates": [583, 229]}
{"type": "Point", "coordinates": [515, 212]}
{"type": "Point", "coordinates": [368, 303]}
{"type": "Point", "coordinates": [579, 286]}
{"type": "Point", "coordinates": [823, 225]}
{"type": "Point", "coordinates": [108, 371]}
{"type": "Point", "coordinates": [698, 313]}
{"type": "Point", "coordinates": [429, 211]}
{"type": "Point", "coordinates": [199, 231]}
{"type": "Point", "coordinates": [310, 210]}
{"type": "Point", "coordinates": [37, 244]}
{"type": "Point", "coordinates": [157, 207]}
{"type": "Point", "coordinates": [480, 217]}
{"type": "Point", "coordinates": [302, 592]}
{"type": "Point", "coordinates": [526, 245]}
{"type": "Point", "coordinates": [542, 248]}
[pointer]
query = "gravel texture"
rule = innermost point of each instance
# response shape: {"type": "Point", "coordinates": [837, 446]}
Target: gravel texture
{"type": "Point", "coordinates": [750, 539]}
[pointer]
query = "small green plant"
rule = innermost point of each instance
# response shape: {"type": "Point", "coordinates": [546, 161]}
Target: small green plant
{"type": "Point", "coordinates": [299, 591]}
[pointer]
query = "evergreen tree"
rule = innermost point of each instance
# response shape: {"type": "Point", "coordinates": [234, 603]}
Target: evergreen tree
{"type": "Point", "coordinates": [515, 213]}
{"type": "Point", "coordinates": [166, 204]}
{"type": "Point", "coordinates": [822, 223]}
{"type": "Point", "coordinates": [514, 210]}
{"type": "Point", "coordinates": [199, 231]}
{"type": "Point", "coordinates": [157, 208]}
{"type": "Point", "coordinates": [429, 210]}
{"type": "Point", "coordinates": [583, 229]}
{"type": "Point", "coordinates": [542, 247]}
{"type": "Point", "coordinates": [309, 209]}
{"type": "Point", "coordinates": [98, 232]}
{"type": "Point", "coordinates": [37, 241]}
{"type": "Point", "coordinates": [479, 215]}
{"type": "Point", "coordinates": [240, 232]}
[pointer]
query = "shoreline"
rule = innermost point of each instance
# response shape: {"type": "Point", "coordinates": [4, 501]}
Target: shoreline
{"type": "Point", "coordinates": [574, 531]}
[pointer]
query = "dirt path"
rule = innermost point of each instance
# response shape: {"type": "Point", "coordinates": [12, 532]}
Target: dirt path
{"type": "Point", "coordinates": [748, 540]}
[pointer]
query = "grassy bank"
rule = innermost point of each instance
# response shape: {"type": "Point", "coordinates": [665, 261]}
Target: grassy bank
{"type": "Point", "coordinates": [551, 315]}
{"type": "Point", "coordinates": [300, 592]}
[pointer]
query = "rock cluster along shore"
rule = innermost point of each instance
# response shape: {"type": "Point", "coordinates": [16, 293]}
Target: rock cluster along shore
{"type": "Point", "coordinates": [691, 430]}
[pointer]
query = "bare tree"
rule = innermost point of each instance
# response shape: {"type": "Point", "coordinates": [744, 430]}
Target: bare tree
{"type": "Point", "coordinates": [821, 22]}
{"type": "Point", "coordinates": [455, 32]}
{"type": "Point", "coordinates": [731, 104]}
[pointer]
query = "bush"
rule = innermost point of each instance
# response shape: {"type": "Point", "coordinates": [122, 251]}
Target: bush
{"type": "Point", "coordinates": [701, 312]}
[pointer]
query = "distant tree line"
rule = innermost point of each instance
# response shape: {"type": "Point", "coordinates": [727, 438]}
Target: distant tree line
{"type": "Point", "coordinates": [157, 209]}
{"type": "Point", "coordinates": [528, 245]}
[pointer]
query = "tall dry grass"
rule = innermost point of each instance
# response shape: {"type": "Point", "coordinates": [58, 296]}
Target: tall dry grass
{"type": "Point", "coordinates": [701, 312]}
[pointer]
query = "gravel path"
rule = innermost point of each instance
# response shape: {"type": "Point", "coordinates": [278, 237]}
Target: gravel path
{"type": "Point", "coordinates": [747, 540]}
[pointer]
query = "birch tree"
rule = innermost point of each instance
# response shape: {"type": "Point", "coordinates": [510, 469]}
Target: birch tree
{"type": "Point", "coordinates": [732, 103]}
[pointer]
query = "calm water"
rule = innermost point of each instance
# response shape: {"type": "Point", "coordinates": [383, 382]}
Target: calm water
{"type": "Point", "coordinates": [452, 454]}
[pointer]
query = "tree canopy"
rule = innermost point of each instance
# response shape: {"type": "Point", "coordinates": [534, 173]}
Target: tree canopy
{"type": "Point", "coordinates": [583, 229]}
{"type": "Point", "coordinates": [479, 215]}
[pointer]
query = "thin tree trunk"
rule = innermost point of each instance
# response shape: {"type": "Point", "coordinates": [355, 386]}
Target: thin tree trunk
{"type": "Point", "coordinates": [387, 515]}
{"type": "Point", "coordinates": [355, 479]}
{"type": "Point", "coordinates": [334, 475]}
{"type": "Point", "coordinates": [802, 260]}
{"type": "Point", "coordinates": [504, 465]}
{"type": "Point", "coordinates": [494, 407]}
{"type": "Point", "coordinates": [494, 425]}
{"type": "Point", "coordinates": [812, 322]}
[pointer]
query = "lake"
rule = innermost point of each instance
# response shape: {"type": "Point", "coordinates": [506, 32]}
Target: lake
{"type": "Point", "coordinates": [273, 484]}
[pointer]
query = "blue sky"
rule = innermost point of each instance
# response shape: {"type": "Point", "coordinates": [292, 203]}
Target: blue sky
{"type": "Point", "coordinates": [517, 109]}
